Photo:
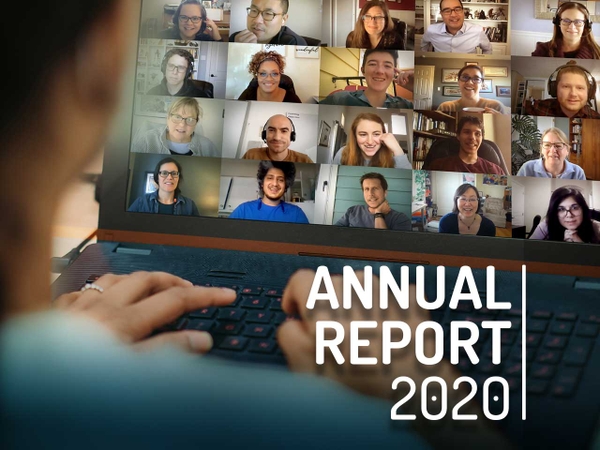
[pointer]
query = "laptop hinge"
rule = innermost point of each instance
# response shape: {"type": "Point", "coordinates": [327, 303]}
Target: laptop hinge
{"type": "Point", "coordinates": [587, 283]}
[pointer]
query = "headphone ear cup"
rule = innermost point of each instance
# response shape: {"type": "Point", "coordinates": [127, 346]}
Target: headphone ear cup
{"type": "Point", "coordinates": [552, 88]}
{"type": "Point", "coordinates": [264, 135]}
{"type": "Point", "coordinates": [556, 20]}
{"type": "Point", "coordinates": [293, 136]}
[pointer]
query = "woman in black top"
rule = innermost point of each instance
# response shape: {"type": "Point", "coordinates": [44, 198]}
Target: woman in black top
{"type": "Point", "coordinates": [465, 217]}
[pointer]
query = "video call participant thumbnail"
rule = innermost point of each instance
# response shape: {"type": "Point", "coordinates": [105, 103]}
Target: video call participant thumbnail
{"type": "Point", "coordinates": [192, 24]}
{"type": "Point", "coordinates": [267, 70]}
{"type": "Point", "coordinates": [370, 145]}
{"type": "Point", "coordinates": [470, 134]}
{"type": "Point", "coordinates": [573, 89]}
{"type": "Point", "coordinates": [278, 133]}
{"type": "Point", "coordinates": [454, 35]}
{"type": "Point", "coordinates": [380, 71]}
{"type": "Point", "coordinates": [553, 162]}
{"type": "Point", "coordinates": [376, 212]}
{"type": "Point", "coordinates": [568, 219]}
{"type": "Point", "coordinates": [167, 199]}
{"type": "Point", "coordinates": [375, 28]}
{"type": "Point", "coordinates": [572, 35]}
{"type": "Point", "coordinates": [177, 67]}
{"type": "Point", "coordinates": [266, 24]}
{"type": "Point", "coordinates": [179, 137]}
{"type": "Point", "coordinates": [274, 179]}
{"type": "Point", "coordinates": [465, 217]}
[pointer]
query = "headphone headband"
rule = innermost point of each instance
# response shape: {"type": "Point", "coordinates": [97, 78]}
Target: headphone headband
{"type": "Point", "coordinates": [177, 51]}
{"type": "Point", "coordinates": [568, 5]}
{"type": "Point", "coordinates": [292, 135]}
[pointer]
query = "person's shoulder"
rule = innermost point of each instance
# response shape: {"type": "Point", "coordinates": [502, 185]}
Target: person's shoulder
{"type": "Point", "coordinates": [156, 90]}
{"type": "Point", "coordinates": [337, 98]}
{"type": "Point", "coordinates": [528, 168]}
{"type": "Point", "coordinates": [232, 37]}
{"type": "Point", "coordinates": [541, 49]}
{"type": "Point", "coordinates": [578, 172]}
{"type": "Point", "coordinates": [400, 102]}
{"type": "Point", "coordinates": [169, 33]}
{"type": "Point", "coordinates": [436, 27]}
{"type": "Point", "coordinates": [448, 218]}
{"type": "Point", "coordinates": [490, 166]}
{"type": "Point", "coordinates": [288, 37]}
{"type": "Point", "coordinates": [253, 153]}
{"type": "Point", "coordinates": [473, 27]}
{"type": "Point", "coordinates": [448, 106]}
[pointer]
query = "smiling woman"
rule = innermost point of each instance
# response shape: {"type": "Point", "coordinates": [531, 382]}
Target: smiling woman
{"type": "Point", "coordinates": [191, 23]}
{"type": "Point", "coordinates": [465, 217]}
{"type": "Point", "coordinates": [267, 70]}
{"type": "Point", "coordinates": [375, 28]}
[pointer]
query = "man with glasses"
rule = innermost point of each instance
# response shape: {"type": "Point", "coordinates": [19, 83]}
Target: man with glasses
{"type": "Point", "coordinates": [177, 67]}
{"type": "Point", "coordinates": [454, 35]}
{"type": "Point", "coordinates": [265, 25]}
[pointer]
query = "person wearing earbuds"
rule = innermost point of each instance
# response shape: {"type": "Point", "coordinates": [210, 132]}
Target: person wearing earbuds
{"type": "Point", "coordinates": [192, 24]}
{"type": "Point", "coordinates": [572, 36]}
{"type": "Point", "coordinates": [370, 145]}
{"type": "Point", "coordinates": [278, 133]}
{"type": "Point", "coordinates": [177, 67]}
{"type": "Point", "coordinates": [380, 71]}
{"type": "Point", "coordinates": [266, 24]}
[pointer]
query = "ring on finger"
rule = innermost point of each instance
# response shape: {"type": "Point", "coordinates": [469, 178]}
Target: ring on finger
{"type": "Point", "coordinates": [92, 286]}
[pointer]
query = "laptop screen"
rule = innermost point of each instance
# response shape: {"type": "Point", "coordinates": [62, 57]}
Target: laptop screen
{"type": "Point", "coordinates": [244, 128]}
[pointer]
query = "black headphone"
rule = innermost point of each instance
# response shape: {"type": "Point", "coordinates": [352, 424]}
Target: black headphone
{"type": "Point", "coordinates": [292, 135]}
{"type": "Point", "coordinates": [553, 83]}
{"type": "Point", "coordinates": [559, 11]}
{"type": "Point", "coordinates": [179, 52]}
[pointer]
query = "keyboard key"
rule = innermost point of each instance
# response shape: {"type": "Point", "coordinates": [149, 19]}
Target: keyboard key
{"type": "Point", "coordinates": [231, 314]}
{"type": "Point", "coordinates": [587, 330]}
{"type": "Point", "coordinates": [280, 317]}
{"type": "Point", "coordinates": [228, 328]}
{"type": "Point", "coordinates": [591, 318]}
{"type": "Point", "coordinates": [181, 324]}
{"type": "Point", "coordinates": [199, 324]}
{"type": "Point", "coordinates": [556, 342]}
{"type": "Point", "coordinates": [234, 343]}
{"type": "Point", "coordinates": [274, 293]}
{"type": "Point", "coordinates": [536, 326]}
{"type": "Point", "coordinates": [464, 307]}
{"type": "Point", "coordinates": [541, 314]}
{"type": "Point", "coordinates": [537, 387]}
{"type": "Point", "coordinates": [516, 354]}
{"type": "Point", "coordinates": [514, 383]}
{"type": "Point", "coordinates": [508, 337]}
{"type": "Point", "coordinates": [542, 371]}
{"type": "Point", "coordinates": [251, 291]}
{"type": "Point", "coordinates": [577, 355]}
{"type": "Point", "coordinates": [514, 312]}
{"type": "Point", "coordinates": [549, 356]}
{"type": "Point", "coordinates": [262, 346]}
{"type": "Point", "coordinates": [254, 302]}
{"type": "Point", "coordinates": [569, 317]}
{"type": "Point", "coordinates": [533, 340]}
{"type": "Point", "coordinates": [276, 304]}
{"type": "Point", "coordinates": [513, 368]}
{"type": "Point", "coordinates": [259, 316]}
{"type": "Point", "coordinates": [564, 328]}
{"type": "Point", "coordinates": [565, 383]}
{"type": "Point", "coordinates": [205, 313]}
{"type": "Point", "coordinates": [258, 330]}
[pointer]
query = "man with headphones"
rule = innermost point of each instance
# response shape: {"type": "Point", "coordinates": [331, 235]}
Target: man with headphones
{"type": "Point", "coordinates": [274, 179]}
{"type": "Point", "coordinates": [573, 89]}
{"type": "Point", "coordinates": [278, 133]}
{"type": "Point", "coordinates": [177, 67]}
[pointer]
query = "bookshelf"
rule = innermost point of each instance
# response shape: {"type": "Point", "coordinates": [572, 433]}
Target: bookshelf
{"type": "Point", "coordinates": [427, 127]}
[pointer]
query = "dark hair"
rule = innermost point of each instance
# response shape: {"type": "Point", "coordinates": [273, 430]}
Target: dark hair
{"type": "Point", "coordinates": [285, 5]}
{"type": "Point", "coordinates": [166, 161]}
{"type": "Point", "coordinates": [359, 38]}
{"type": "Point", "coordinates": [459, 1]}
{"type": "Point", "coordinates": [368, 52]}
{"type": "Point", "coordinates": [587, 37]}
{"type": "Point", "coordinates": [352, 154]}
{"type": "Point", "coordinates": [460, 191]}
{"type": "Point", "coordinates": [260, 57]}
{"type": "Point", "coordinates": [556, 232]}
{"type": "Point", "coordinates": [469, 119]}
{"type": "Point", "coordinates": [470, 66]}
{"type": "Point", "coordinates": [179, 52]}
{"type": "Point", "coordinates": [374, 176]}
{"type": "Point", "coordinates": [288, 169]}
{"type": "Point", "coordinates": [202, 13]}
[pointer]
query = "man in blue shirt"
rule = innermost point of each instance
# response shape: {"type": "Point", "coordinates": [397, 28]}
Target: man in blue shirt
{"type": "Point", "coordinates": [274, 179]}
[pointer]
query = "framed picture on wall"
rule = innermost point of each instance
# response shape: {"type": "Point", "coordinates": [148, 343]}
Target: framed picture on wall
{"type": "Point", "coordinates": [495, 71]}
{"type": "Point", "coordinates": [486, 87]}
{"type": "Point", "coordinates": [324, 131]}
{"type": "Point", "coordinates": [450, 75]}
{"type": "Point", "coordinates": [503, 91]}
{"type": "Point", "coordinates": [451, 91]}
{"type": "Point", "coordinates": [150, 185]}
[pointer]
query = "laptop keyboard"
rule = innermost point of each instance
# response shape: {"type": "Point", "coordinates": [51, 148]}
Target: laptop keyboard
{"type": "Point", "coordinates": [558, 344]}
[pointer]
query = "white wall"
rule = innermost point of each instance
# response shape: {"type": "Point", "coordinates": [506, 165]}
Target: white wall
{"type": "Point", "coordinates": [304, 72]}
{"type": "Point", "coordinates": [443, 185]}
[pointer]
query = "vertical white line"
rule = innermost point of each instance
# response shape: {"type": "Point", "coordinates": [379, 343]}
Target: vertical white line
{"type": "Point", "coordinates": [523, 342]}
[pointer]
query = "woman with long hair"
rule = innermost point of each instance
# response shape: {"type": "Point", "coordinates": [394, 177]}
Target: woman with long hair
{"type": "Point", "coordinates": [375, 28]}
{"type": "Point", "coordinates": [191, 23]}
{"type": "Point", "coordinates": [572, 37]}
{"type": "Point", "coordinates": [370, 145]}
{"type": "Point", "coordinates": [465, 217]}
{"type": "Point", "coordinates": [267, 70]}
{"type": "Point", "coordinates": [568, 219]}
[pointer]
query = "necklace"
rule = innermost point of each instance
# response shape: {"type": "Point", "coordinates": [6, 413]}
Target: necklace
{"type": "Point", "coordinates": [468, 226]}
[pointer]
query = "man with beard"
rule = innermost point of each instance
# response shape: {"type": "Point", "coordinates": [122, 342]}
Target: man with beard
{"type": "Point", "coordinates": [470, 136]}
{"type": "Point", "coordinates": [274, 179]}
{"type": "Point", "coordinates": [377, 212]}
{"type": "Point", "coordinates": [278, 133]}
{"type": "Point", "coordinates": [177, 67]}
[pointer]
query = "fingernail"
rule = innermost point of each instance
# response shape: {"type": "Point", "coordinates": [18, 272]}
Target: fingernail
{"type": "Point", "coordinates": [200, 341]}
{"type": "Point", "coordinates": [233, 291]}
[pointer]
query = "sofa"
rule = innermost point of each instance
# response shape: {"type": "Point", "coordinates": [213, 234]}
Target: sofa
{"type": "Point", "coordinates": [493, 209]}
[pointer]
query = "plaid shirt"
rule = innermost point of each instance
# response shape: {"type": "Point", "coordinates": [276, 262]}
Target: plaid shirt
{"type": "Point", "coordinates": [551, 107]}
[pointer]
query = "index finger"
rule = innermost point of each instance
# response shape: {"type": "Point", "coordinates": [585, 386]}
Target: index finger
{"type": "Point", "coordinates": [140, 285]}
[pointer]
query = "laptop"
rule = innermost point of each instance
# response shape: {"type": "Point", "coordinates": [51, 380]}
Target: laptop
{"type": "Point", "coordinates": [256, 258]}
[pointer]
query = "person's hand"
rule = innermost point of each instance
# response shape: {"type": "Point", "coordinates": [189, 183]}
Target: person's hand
{"type": "Point", "coordinates": [402, 76]}
{"type": "Point", "coordinates": [572, 236]}
{"type": "Point", "coordinates": [384, 208]}
{"type": "Point", "coordinates": [214, 29]}
{"type": "Point", "coordinates": [392, 143]}
{"type": "Point", "coordinates": [133, 306]}
{"type": "Point", "coordinates": [246, 36]}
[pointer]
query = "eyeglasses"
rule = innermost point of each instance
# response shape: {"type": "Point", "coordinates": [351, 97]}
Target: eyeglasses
{"type": "Point", "coordinates": [467, 78]}
{"type": "Point", "coordinates": [188, 120]}
{"type": "Point", "coordinates": [556, 145]}
{"type": "Point", "coordinates": [448, 11]}
{"type": "Point", "coordinates": [174, 68]}
{"type": "Point", "coordinates": [577, 22]}
{"type": "Point", "coordinates": [368, 18]}
{"type": "Point", "coordinates": [268, 15]}
{"type": "Point", "coordinates": [468, 200]}
{"type": "Point", "coordinates": [193, 19]}
{"type": "Point", "coordinates": [265, 75]}
{"type": "Point", "coordinates": [166, 173]}
{"type": "Point", "coordinates": [575, 210]}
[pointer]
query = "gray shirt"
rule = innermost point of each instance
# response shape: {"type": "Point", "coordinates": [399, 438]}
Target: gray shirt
{"type": "Point", "coordinates": [400, 162]}
{"type": "Point", "coordinates": [155, 141]}
{"type": "Point", "coordinates": [359, 216]}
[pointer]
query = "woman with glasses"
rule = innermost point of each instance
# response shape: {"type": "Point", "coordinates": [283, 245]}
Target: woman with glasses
{"type": "Point", "coordinates": [179, 137]}
{"type": "Point", "coordinates": [553, 162]}
{"type": "Point", "coordinates": [568, 219]}
{"type": "Point", "coordinates": [470, 80]}
{"type": "Point", "coordinates": [375, 29]}
{"type": "Point", "coordinates": [267, 70]}
{"type": "Point", "coordinates": [572, 37]}
{"type": "Point", "coordinates": [167, 199]}
{"type": "Point", "coordinates": [465, 217]}
{"type": "Point", "coordinates": [192, 24]}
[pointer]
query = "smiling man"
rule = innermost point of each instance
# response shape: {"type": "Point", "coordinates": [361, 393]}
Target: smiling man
{"type": "Point", "coordinates": [278, 133]}
{"type": "Point", "coordinates": [265, 24]}
{"type": "Point", "coordinates": [380, 71]}
{"type": "Point", "coordinates": [470, 135]}
{"type": "Point", "coordinates": [376, 212]}
{"type": "Point", "coordinates": [177, 67]}
{"type": "Point", "coordinates": [453, 35]}
{"type": "Point", "coordinates": [572, 93]}
{"type": "Point", "coordinates": [274, 179]}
